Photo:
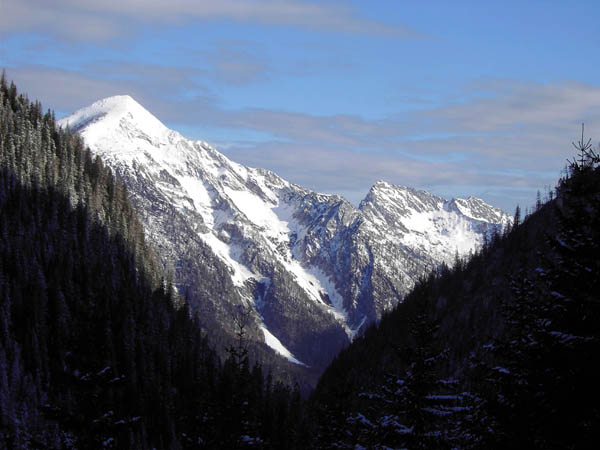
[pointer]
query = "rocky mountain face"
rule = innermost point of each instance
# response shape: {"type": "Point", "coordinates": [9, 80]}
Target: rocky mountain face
{"type": "Point", "coordinates": [309, 269]}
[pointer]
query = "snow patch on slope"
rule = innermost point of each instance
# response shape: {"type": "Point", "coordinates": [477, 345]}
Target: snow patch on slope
{"type": "Point", "coordinates": [258, 212]}
{"type": "Point", "coordinates": [276, 345]}
{"type": "Point", "coordinates": [440, 229]}
{"type": "Point", "coordinates": [200, 197]}
{"type": "Point", "coordinates": [239, 273]}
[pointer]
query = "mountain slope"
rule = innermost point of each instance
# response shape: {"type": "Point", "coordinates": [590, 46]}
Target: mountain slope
{"type": "Point", "coordinates": [497, 352]}
{"type": "Point", "coordinates": [311, 269]}
{"type": "Point", "coordinates": [95, 350]}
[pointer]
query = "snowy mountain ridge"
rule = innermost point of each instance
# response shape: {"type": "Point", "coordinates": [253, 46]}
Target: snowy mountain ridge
{"type": "Point", "coordinates": [311, 268]}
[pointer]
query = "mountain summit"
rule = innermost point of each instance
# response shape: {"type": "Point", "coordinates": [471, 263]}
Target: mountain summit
{"type": "Point", "coordinates": [307, 269]}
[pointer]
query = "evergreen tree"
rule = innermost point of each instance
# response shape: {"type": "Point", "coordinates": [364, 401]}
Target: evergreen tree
{"type": "Point", "coordinates": [417, 408]}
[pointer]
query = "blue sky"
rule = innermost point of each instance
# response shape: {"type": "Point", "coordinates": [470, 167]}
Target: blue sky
{"type": "Point", "coordinates": [457, 97]}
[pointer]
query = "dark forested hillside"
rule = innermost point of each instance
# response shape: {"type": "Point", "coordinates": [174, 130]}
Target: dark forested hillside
{"type": "Point", "coordinates": [498, 352]}
{"type": "Point", "coordinates": [95, 349]}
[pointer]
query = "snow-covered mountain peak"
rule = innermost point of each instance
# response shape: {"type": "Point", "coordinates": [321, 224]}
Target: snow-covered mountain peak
{"type": "Point", "coordinates": [113, 112]}
{"type": "Point", "coordinates": [312, 267]}
{"type": "Point", "coordinates": [381, 184]}
{"type": "Point", "coordinates": [388, 200]}
{"type": "Point", "coordinates": [428, 225]}
{"type": "Point", "coordinates": [121, 130]}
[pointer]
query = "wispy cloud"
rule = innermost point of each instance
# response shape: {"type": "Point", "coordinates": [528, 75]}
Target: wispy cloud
{"type": "Point", "coordinates": [69, 88]}
{"type": "Point", "coordinates": [238, 63]}
{"type": "Point", "coordinates": [504, 145]}
{"type": "Point", "coordinates": [77, 19]}
{"type": "Point", "coordinates": [510, 104]}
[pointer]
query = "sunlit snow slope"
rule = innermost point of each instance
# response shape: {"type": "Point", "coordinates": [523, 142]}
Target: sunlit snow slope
{"type": "Point", "coordinates": [310, 267]}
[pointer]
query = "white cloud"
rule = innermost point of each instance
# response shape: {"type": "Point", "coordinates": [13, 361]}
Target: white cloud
{"type": "Point", "coordinates": [503, 147]}
{"type": "Point", "coordinates": [238, 63]}
{"type": "Point", "coordinates": [516, 103]}
{"type": "Point", "coordinates": [100, 20]}
{"type": "Point", "coordinates": [58, 19]}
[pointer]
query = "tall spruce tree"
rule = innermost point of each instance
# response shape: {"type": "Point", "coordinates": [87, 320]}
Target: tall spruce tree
{"type": "Point", "coordinates": [415, 407]}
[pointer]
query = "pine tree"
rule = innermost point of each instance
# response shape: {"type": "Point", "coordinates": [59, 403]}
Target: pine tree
{"type": "Point", "coordinates": [416, 408]}
{"type": "Point", "coordinates": [517, 217]}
